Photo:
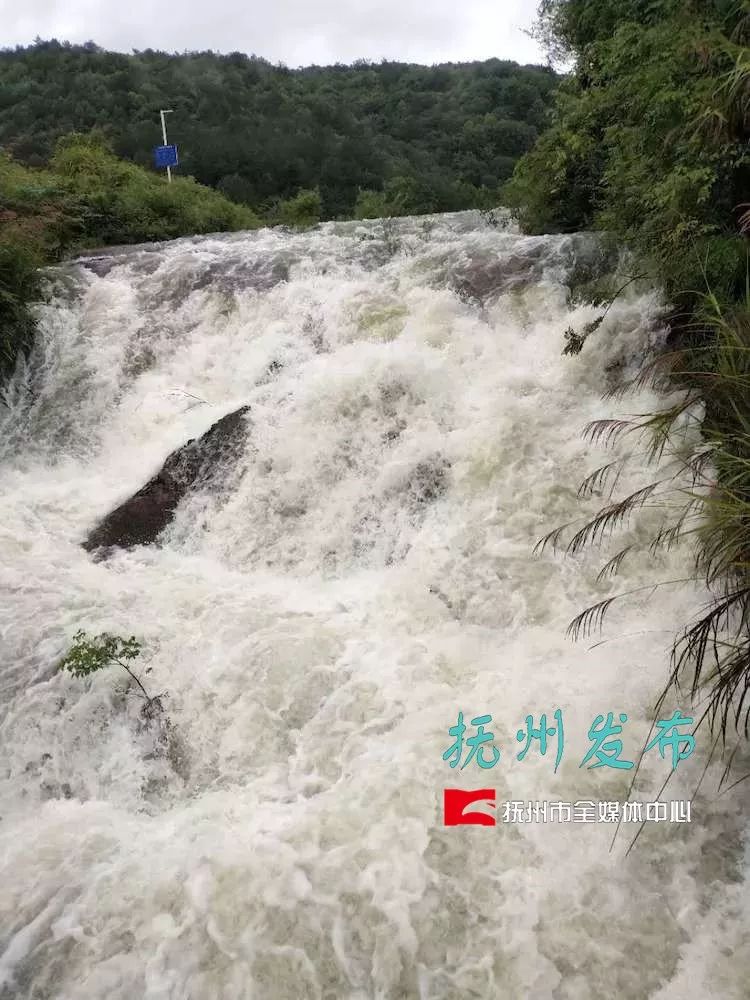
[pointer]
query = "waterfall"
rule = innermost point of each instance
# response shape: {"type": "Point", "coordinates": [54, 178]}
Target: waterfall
{"type": "Point", "coordinates": [315, 626]}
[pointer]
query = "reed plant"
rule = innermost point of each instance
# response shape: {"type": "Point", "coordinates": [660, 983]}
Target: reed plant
{"type": "Point", "coordinates": [703, 498]}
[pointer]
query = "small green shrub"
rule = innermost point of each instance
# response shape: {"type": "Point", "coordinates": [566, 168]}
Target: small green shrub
{"type": "Point", "coordinates": [89, 654]}
{"type": "Point", "coordinates": [301, 211]}
{"type": "Point", "coordinates": [371, 205]}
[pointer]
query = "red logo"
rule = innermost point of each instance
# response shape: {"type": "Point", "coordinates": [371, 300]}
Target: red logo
{"type": "Point", "coordinates": [456, 800]}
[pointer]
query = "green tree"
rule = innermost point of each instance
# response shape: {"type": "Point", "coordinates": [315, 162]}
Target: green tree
{"type": "Point", "coordinates": [302, 210]}
{"type": "Point", "coordinates": [371, 205]}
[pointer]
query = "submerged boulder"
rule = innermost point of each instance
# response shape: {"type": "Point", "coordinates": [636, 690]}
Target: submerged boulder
{"type": "Point", "coordinates": [198, 463]}
{"type": "Point", "coordinates": [480, 279]}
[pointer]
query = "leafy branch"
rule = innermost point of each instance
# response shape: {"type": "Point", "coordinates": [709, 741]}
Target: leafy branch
{"type": "Point", "coordinates": [574, 341]}
{"type": "Point", "coordinates": [88, 654]}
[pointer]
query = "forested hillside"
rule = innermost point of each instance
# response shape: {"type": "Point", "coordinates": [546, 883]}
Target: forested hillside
{"type": "Point", "coordinates": [425, 138]}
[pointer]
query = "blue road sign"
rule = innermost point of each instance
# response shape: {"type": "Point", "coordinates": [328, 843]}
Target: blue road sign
{"type": "Point", "coordinates": [165, 156]}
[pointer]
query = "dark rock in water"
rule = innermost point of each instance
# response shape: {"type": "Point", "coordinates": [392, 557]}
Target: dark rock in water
{"type": "Point", "coordinates": [481, 279]}
{"type": "Point", "coordinates": [140, 520]}
{"type": "Point", "coordinates": [429, 480]}
{"type": "Point", "coordinates": [424, 484]}
{"type": "Point", "coordinates": [236, 274]}
{"type": "Point", "coordinates": [101, 266]}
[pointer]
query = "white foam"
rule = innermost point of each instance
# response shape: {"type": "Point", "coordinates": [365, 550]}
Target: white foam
{"type": "Point", "coordinates": [317, 632]}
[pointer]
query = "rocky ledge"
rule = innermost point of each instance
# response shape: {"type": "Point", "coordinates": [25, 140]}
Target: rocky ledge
{"type": "Point", "coordinates": [198, 463]}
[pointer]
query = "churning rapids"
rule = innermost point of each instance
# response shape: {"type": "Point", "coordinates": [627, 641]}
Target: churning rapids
{"type": "Point", "coordinates": [316, 627]}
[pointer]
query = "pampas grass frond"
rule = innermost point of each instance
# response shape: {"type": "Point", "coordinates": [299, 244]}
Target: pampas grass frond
{"type": "Point", "coordinates": [704, 498]}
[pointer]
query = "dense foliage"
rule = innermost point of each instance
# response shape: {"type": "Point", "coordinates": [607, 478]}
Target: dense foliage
{"type": "Point", "coordinates": [649, 139]}
{"type": "Point", "coordinates": [87, 197]}
{"type": "Point", "coordinates": [91, 653]}
{"type": "Point", "coordinates": [649, 142]}
{"type": "Point", "coordinates": [423, 138]}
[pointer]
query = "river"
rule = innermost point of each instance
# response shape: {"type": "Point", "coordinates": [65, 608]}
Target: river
{"type": "Point", "coordinates": [315, 627]}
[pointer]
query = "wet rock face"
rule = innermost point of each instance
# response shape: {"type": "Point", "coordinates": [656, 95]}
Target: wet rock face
{"type": "Point", "coordinates": [476, 283]}
{"type": "Point", "coordinates": [428, 481]}
{"type": "Point", "coordinates": [480, 279]}
{"type": "Point", "coordinates": [198, 463]}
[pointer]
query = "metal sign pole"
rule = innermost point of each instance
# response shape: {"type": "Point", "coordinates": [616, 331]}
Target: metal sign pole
{"type": "Point", "coordinates": [164, 134]}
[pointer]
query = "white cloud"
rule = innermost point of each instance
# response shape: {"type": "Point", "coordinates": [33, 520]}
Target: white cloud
{"type": "Point", "coordinates": [296, 32]}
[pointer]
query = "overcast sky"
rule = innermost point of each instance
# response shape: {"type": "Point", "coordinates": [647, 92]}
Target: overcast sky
{"type": "Point", "coordinates": [295, 32]}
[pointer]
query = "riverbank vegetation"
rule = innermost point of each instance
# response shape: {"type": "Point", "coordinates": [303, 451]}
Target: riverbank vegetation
{"type": "Point", "coordinates": [648, 142]}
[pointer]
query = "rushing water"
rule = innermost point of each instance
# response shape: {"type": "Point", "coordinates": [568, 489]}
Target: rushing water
{"type": "Point", "coordinates": [316, 629]}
